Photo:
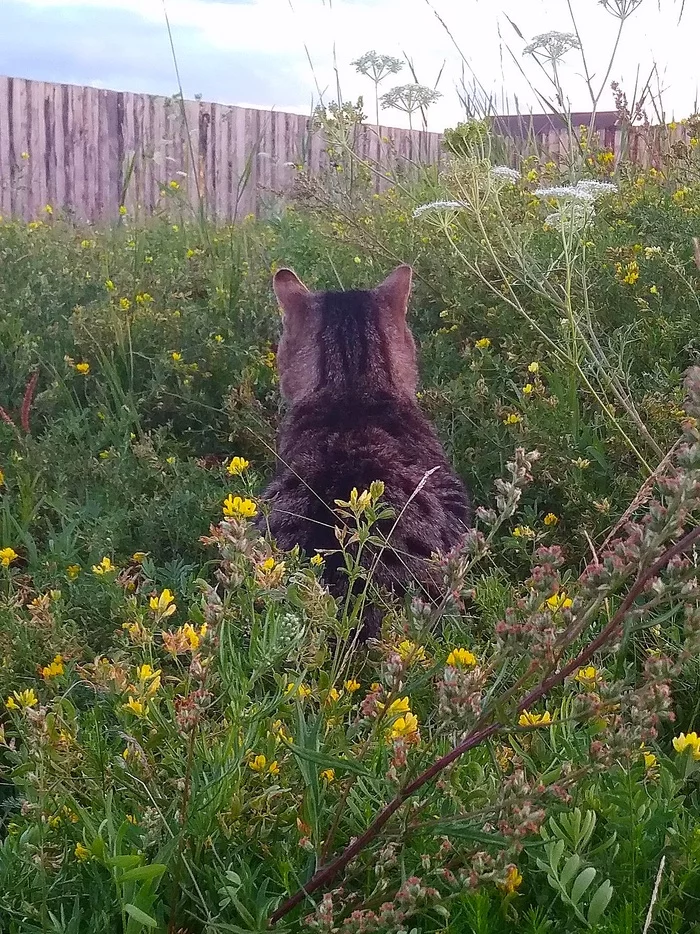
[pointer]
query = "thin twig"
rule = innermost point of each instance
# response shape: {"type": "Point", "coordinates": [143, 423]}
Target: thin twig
{"type": "Point", "coordinates": [654, 895]}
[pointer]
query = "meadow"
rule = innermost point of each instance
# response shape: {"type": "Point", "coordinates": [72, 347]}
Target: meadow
{"type": "Point", "coordinates": [190, 732]}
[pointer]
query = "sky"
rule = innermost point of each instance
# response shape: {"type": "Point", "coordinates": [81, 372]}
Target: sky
{"type": "Point", "coordinates": [286, 54]}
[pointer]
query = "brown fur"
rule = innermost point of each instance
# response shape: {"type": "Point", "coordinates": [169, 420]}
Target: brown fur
{"type": "Point", "coordinates": [347, 366]}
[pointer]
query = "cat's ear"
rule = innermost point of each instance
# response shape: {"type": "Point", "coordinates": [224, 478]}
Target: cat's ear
{"type": "Point", "coordinates": [292, 295]}
{"type": "Point", "coordinates": [396, 290]}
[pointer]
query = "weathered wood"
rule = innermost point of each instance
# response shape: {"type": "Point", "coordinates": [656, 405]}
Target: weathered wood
{"type": "Point", "coordinates": [85, 152]}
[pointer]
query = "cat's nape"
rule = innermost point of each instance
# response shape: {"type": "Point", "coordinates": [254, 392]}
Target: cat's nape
{"type": "Point", "coordinates": [348, 372]}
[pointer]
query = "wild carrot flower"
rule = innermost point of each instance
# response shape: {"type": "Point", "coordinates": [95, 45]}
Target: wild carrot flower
{"type": "Point", "coordinates": [7, 556]}
{"type": "Point", "coordinates": [237, 465]}
{"type": "Point", "coordinates": [20, 700]}
{"type": "Point", "coordinates": [690, 741]}
{"type": "Point", "coordinates": [527, 718]}
{"type": "Point", "coordinates": [104, 567]}
{"type": "Point", "coordinates": [54, 668]}
{"type": "Point", "coordinates": [439, 207]}
{"type": "Point", "coordinates": [505, 172]}
{"type": "Point", "coordinates": [461, 658]}
{"type": "Point", "coordinates": [235, 506]}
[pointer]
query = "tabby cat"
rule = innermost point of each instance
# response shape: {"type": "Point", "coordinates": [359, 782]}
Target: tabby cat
{"type": "Point", "coordinates": [348, 373]}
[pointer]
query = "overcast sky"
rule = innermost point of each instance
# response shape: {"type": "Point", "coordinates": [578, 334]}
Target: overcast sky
{"type": "Point", "coordinates": [252, 52]}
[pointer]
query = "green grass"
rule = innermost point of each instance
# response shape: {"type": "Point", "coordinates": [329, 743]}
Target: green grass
{"type": "Point", "coordinates": [123, 819]}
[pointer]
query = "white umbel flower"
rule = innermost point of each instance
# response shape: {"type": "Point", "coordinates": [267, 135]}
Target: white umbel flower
{"type": "Point", "coordinates": [505, 172]}
{"type": "Point", "coordinates": [439, 206]}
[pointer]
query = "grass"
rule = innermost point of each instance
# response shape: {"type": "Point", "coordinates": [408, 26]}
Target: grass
{"type": "Point", "coordinates": [192, 736]}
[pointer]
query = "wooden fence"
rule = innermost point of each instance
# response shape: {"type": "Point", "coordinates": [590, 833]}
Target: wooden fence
{"type": "Point", "coordinates": [87, 151]}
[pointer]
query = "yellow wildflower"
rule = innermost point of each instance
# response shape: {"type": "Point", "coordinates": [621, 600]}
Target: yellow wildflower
{"type": "Point", "coordinates": [176, 356]}
{"type": "Point", "coordinates": [512, 419]}
{"type": "Point", "coordinates": [173, 185]}
{"type": "Point", "coordinates": [82, 368]}
{"type": "Point", "coordinates": [280, 731]}
{"type": "Point", "coordinates": [72, 571]}
{"type": "Point", "coordinates": [406, 727]}
{"type": "Point", "coordinates": [48, 209]}
{"type": "Point", "coordinates": [237, 466]}
{"type": "Point", "coordinates": [535, 719]}
{"type": "Point", "coordinates": [268, 564]}
{"type": "Point", "coordinates": [109, 285]}
{"type": "Point", "coordinates": [316, 561]}
{"type": "Point", "coordinates": [528, 389]}
{"type": "Point", "coordinates": [397, 708]}
{"type": "Point", "coordinates": [258, 764]}
{"type": "Point", "coordinates": [689, 741]}
{"type": "Point", "coordinates": [410, 652]}
{"type": "Point", "coordinates": [81, 851]}
{"type": "Point", "coordinates": [219, 338]}
{"type": "Point", "coordinates": [559, 601]}
{"type": "Point", "coordinates": [333, 695]}
{"type": "Point", "coordinates": [533, 367]}
{"type": "Point", "coordinates": [143, 298]}
{"type": "Point", "coordinates": [138, 556]}
{"type": "Point", "coordinates": [163, 605]}
{"type": "Point", "coordinates": [649, 758]}
{"type": "Point", "coordinates": [2, 478]}
{"type": "Point", "coordinates": [122, 210]}
{"type": "Point", "coordinates": [145, 672]}
{"type": "Point", "coordinates": [301, 691]}
{"type": "Point", "coordinates": [551, 519]}
{"type": "Point", "coordinates": [273, 768]}
{"type": "Point", "coordinates": [124, 303]}
{"type": "Point", "coordinates": [512, 881]}
{"type": "Point", "coordinates": [523, 531]}
{"type": "Point", "coordinates": [461, 658]}
{"type": "Point", "coordinates": [587, 676]}
{"type": "Point", "coordinates": [104, 567]}
{"type": "Point", "coordinates": [482, 343]}
{"type": "Point", "coordinates": [351, 686]}
{"type": "Point", "coordinates": [7, 556]}
{"type": "Point", "coordinates": [328, 775]}
{"type": "Point", "coordinates": [54, 669]}
{"type": "Point", "coordinates": [653, 290]}
{"type": "Point", "coordinates": [20, 700]}
{"type": "Point", "coordinates": [235, 506]}
{"type": "Point", "coordinates": [135, 706]}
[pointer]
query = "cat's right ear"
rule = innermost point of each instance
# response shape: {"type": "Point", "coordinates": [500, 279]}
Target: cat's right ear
{"type": "Point", "coordinates": [292, 295]}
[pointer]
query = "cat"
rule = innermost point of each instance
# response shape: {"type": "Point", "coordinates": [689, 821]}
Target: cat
{"type": "Point", "coordinates": [348, 373]}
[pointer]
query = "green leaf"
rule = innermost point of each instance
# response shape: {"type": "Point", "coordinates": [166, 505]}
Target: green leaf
{"type": "Point", "coordinates": [599, 902]}
{"type": "Point", "coordinates": [152, 871]}
{"type": "Point", "coordinates": [570, 869]}
{"type": "Point", "coordinates": [140, 916]}
{"type": "Point", "coordinates": [581, 884]}
{"type": "Point", "coordinates": [329, 762]}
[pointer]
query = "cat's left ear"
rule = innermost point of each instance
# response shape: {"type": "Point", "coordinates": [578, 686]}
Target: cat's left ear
{"type": "Point", "coordinates": [396, 290]}
{"type": "Point", "coordinates": [292, 295]}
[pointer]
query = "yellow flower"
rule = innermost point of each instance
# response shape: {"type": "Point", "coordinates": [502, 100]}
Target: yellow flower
{"type": "Point", "coordinates": [689, 741]}
{"type": "Point", "coordinates": [48, 209]}
{"type": "Point", "coordinates": [316, 561]}
{"type": "Point", "coordinates": [81, 851]}
{"type": "Point", "coordinates": [218, 337]}
{"type": "Point", "coordinates": [146, 673]}
{"type": "Point", "coordinates": [482, 343]}
{"type": "Point", "coordinates": [54, 669]}
{"type": "Point", "coordinates": [143, 298]}
{"type": "Point", "coordinates": [523, 531]}
{"type": "Point", "coordinates": [461, 658]}
{"type": "Point", "coordinates": [351, 686]}
{"type": "Point", "coordinates": [397, 708]}
{"type": "Point", "coordinates": [533, 367]}
{"type": "Point", "coordinates": [559, 601]}
{"type": "Point", "coordinates": [22, 699]}
{"type": "Point", "coordinates": [405, 727]}
{"type": "Point", "coordinates": [532, 175]}
{"type": "Point", "coordinates": [104, 567]}
{"type": "Point", "coordinates": [135, 706]}
{"type": "Point", "coordinates": [24, 155]}
{"type": "Point", "coordinates": [279, 730]}
{"type": "Point", "coordinates": [125, 303]}
{"type": "Point", "coordinates": [2, 478]}
{"type": "Point", "coordinates": [72, 571]}
{"type": "Point", "coordinates": [301, 691]}
{"type": "Point", "coordinates": [328, 775]}
{"type": "Point", "coordinates": [7, 556]}
{"type": "Point", "coordinates": [176, 356]}
{"type": "Point", "coordinates": [653, 290]}
{"type": "Point", "coordinates": [109, 285]}
{"type": "Point", "coordinates": [237, 466]}
{"type": "Point", "coordinates": [587, 676]}
{"type": "Point", "coordinates": [258, 764]}
{"type": "Point", "coordinates": [163, 605]}
{"type": "Point", "coordinates": [551, 519]}
{"type": "Point", "coordinates": [122, 210]}
{"type": "Point", "coordinates": [513, 880]}
{"type": "Point", "coordinates": [192, 635]}
{"type": "Point", "coordinates": [410, 652]}
{"type": "Point", "coordinates": [357, 260]}
{"type": "Point", "coordinates": [649, 758]}
{"type": "Point", "coordinates": [173, 185]}
{"type": "Point", "coordinates": [235, 506]}
{"type": "Point", "coordinates": [268, 564]}
{"type": "Point", "coordinates": [535, 719]}
{"type": "Point", "coordinates": [512, 419]}
{"type": "Point", "coordinates": [528, 389]}
{"type": "Point", "coordinates": [138, 556]}
{"type": "Point", "coordinates": [273, 768]}
{"type": "Point", "coordinates": [82, 368]}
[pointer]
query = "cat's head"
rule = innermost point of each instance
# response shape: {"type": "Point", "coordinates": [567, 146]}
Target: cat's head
{"type": "Point", "coordinates": [347, 341]}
